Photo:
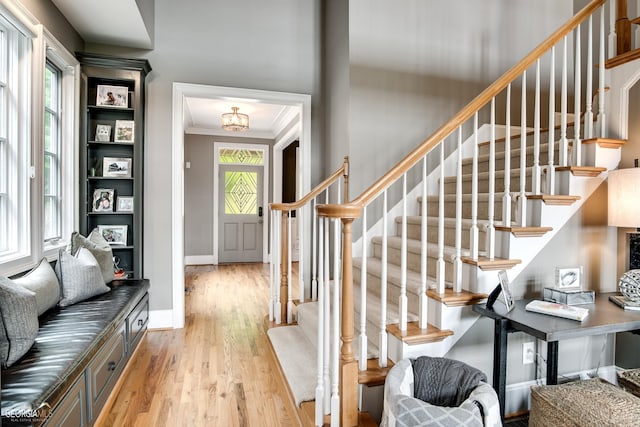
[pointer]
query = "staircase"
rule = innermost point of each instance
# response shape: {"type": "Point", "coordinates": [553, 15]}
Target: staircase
{"type": "Point", "coordinates": [405, 287]}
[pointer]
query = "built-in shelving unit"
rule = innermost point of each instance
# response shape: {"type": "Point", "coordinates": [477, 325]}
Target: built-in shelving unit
{"type": "Point", "coordinates": [112, 154]}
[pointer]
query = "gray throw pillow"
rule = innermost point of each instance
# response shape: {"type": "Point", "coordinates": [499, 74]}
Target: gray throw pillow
{"type": "Point", "coordinates": [99, 247]}
{"type": "Point", "coordinates": [43, 282]}
{"type": "Point", "coordinates": [79, 276]}
{"type": "Point", "coordinates": [19, 321]}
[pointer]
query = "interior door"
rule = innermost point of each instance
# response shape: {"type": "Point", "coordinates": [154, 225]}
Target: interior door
{"type": "Point", "coordinates": [240, 213]}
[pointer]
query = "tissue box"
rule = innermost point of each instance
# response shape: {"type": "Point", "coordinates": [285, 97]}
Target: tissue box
{"type": "Point", "coordinates": [568, 297]}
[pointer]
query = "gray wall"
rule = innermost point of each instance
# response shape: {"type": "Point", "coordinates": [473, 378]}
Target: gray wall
{"type": "Point", "coordinates": [252, 44]}
{"type": "Point", "coordinates": [198, 190]}
{"type": "Point", "coordinates": [49, 16]}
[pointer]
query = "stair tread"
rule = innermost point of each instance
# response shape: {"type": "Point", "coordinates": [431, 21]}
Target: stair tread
{"type": "Point", "coordinates": [374, 267]}
{"type": "Point", "coordinates": [448, 222]}
{"type": "Point", "coordinates": [414, 335]}
{"type": "Point", "coordinates": [485, 175]}
{"type": "Point", "coordinates": [457, 299]}
{"type": "Point", "coordinates": [588, 171]}
{"type": "Point", "coordinates": [415, 246]}
{"type": "Point", "coordinates": [374, 375]}
{"type": "Point", "coordinates": [487, 264]}
{"type": "Point", "coordinates": [606, 142]}
{"type": "Point", "coordinates": [525, 231]}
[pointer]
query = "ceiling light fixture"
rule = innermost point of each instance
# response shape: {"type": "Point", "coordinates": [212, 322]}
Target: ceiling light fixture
{"type": "Point", "coordinates": [235, 122]}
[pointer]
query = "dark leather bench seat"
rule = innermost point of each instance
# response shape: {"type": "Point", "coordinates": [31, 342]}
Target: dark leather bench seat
{"type": "Point", "coordinates": [68, 338]}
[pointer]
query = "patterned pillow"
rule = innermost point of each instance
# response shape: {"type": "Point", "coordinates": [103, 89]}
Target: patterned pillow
{"type": "Point", "coordinates": [99, 247]}
{"type": "Point", "coordinates": [79, 276]}
{"type": "Point", "coordinates": [43, 282]}
{"type": "Point", "coordinates": [18, 321]}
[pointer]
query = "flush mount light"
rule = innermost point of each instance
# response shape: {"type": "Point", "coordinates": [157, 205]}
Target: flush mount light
{"type": "Point", "coordinates": [235, 122]}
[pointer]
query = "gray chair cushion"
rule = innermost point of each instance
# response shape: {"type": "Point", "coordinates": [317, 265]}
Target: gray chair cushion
{"type": "Point", "coordinates": [415, 412]}
{"type": "Point", "coordinates": [19, 321]}
{"type": "Point", "coordinates": [99, 247]}
{"type": "Point", "coordinates": [42, 281]}
{"type": "Point", "coordinates": [79, 276]}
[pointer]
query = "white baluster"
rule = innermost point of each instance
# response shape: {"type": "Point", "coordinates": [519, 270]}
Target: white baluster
{"type": "Point", "coordinates": [335, 345]}
{"type": "Point", "coordinates": [327, 318]}
{"type": "Point", "coordinates": [423, 301]}
{"type": "Point", "coordinates": [588, 119]}
{"type": "Point", "coordinates": [577, 109]}
{"type": "Point", "coordinates": [551, 168]}
{"type": "Point", "coordinates": [506, 197]}
{"type": "Point", "coordinates": [473, 231]}
{"type": "Point", "coordinates": [278, 239]}
{"type": "Point", "coordinates": [289, 268]}
{"type": "Point", "coordinates": [363, 295]}
{"type": "Point", "coordinates": [522, 200]}
{"type": "Point", "coordinates": [272, 278]}
{"type": "Point", "coordinates": [382, 340]}
{"type": "Point", "coordinates": [440, 266]}
{"type": "Point", "coordinates": [491, 231]}
{"type": "Point", "coordinates": [613, 37]}
{"type": "Point", "coordinates": [536, 170]}
{"type": "Point", "coordinates": [314, 248]}
{"type": "Point", "coordinates": [564, 143]}
{"type": "Point", "coordinates": [402, 303]}
{"type": "Point", "coordinates": [602, 122]}
{"type": "Point", "coordinates": [301, 249]}
{"type": "Point", "coordinates": [457, 263]}
{"type": "Point", "coordinates": [320, 392]}
{"type": "Point", "coordinates": [636, 36]}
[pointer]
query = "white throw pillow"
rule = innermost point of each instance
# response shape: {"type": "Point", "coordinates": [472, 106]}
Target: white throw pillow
{"type": "Point", "coordinates": [42, 281]}
{"type": "Point", "coordinates": [79, 276]}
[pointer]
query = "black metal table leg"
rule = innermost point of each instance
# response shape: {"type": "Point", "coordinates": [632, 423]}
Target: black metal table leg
{"type": "Point", "coordinates": [552, 362]}
{"type": "Point", "coordinates": [500, 361]}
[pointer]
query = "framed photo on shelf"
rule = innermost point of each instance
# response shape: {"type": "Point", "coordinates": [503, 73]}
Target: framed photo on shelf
{"type": "Point", "coordinates": [112, 96]}
{"type": "Point", "coordinates": [124, 131]}
{"type": "Point", "coordinates": [103, 133]}
{"type": "Point", "coordinates": [118, 167]}
{"type": "Point", "coordinates": [569, 278]}
{"type": "Point", "coordinates": [102, 200]}
{"type": "Point", "coordinates": [114, 234]}
{"type": "Point", "coordinates": [506, 292]}
{"type": "Point", "coordinates": [125, 204]}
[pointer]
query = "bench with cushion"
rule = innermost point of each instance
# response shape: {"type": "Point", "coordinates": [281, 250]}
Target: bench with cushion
{"type": "Point", "coordinates": [66, 337]}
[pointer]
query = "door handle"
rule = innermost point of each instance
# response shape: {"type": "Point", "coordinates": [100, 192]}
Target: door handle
{"type": "Point", "coordinates": [260, 211]}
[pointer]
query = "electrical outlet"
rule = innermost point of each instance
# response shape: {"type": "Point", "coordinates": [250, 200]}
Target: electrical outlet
{"type": "Point", "coordinates": [528, 353]}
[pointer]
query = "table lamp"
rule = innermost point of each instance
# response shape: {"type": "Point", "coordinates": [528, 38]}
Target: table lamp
{"type": "Point", "coordinates": [624, 211]}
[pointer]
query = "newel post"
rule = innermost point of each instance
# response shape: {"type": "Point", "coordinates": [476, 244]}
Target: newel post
{"type": "Point", "coordinates": [623, 28]}
{"type": "Point", "coordinates": [284, 266]}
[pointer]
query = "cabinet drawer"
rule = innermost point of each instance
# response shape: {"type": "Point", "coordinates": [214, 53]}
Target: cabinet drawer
{"type": "Point", "coordinates": [137, 323]}
{"type": "Point", "coordinates": [72, 409]}
{"type": "Point", "coordinates": [104, 370]}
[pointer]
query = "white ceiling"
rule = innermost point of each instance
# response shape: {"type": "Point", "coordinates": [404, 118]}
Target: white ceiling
{"type": "Point", "coordinates": [203, 116]}
{"type": "Point", "coordinates": [121, 24]}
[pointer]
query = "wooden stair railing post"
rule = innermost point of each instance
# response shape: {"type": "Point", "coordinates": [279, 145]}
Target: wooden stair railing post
{"type": "Point", "coordinates": [623, 28]}
{"type": "Point", "coordinates": [284, 267]}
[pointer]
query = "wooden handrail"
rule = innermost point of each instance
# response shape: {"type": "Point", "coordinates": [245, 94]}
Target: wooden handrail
{"type": "Point", "coordinates": [343, 171]}
{"type": "Point", "coordinates": [461, 117]}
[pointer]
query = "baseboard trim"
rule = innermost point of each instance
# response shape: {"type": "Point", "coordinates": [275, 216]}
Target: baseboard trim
{"type": "Point", "coordinates": [518, 395]}
{"type": "Point", "coordinates": [161, 319]}
{"type": "Point", "coordinates": [199, 260]}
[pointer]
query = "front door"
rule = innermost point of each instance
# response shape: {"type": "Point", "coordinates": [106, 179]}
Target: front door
{"type": "Point", "coordinates": [240, 213]}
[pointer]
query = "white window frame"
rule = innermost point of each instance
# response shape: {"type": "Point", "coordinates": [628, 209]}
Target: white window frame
{"type": "Point", "coordinates": [17, 247]}
{"type": "Point", "coordinates": [52, 117]}
{"type": "Point", "coordinates": [24, 160]}
{"type": "Point", "coordinates": [56, 53]}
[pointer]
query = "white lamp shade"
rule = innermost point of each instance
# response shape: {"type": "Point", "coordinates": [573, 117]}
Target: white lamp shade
{"type": "Point", "coordinates": [624, 198]}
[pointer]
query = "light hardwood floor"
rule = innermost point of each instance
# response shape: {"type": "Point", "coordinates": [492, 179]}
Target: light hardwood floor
{"type": "Point", "coordinates": [217, 371]}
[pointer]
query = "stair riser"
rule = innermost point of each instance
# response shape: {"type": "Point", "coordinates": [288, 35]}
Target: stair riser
{"type": "Point", "coordinates": [483, 185]}
{"type": "Point", "coordinates": [413, 261]}
{"type": "Point", "coordinates": [483, 208]}
{"type": "Point", "coordinates": [530, 141]}
{"type": "Point", "coordinates": [483, 166]}
{"type": "Point", "coordinates": [414, 231]}
{"type": "Point", "coordinates": [393, 291]}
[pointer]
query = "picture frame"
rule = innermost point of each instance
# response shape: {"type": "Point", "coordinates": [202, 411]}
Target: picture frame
{"type": "Point", "coordinates": [116, 167]}
{"type": "Point", "coordinates": [112, 96]}
{"type": "Point", "coordinates": [114, 234]}
{"type": "Point", "coordinates": [125, 131]}
{"type": "Point", "coordinates": [125, 204]}
{"type": "Point", "coordinates": [506, 292]}
{"type": "Point", "coordinates": [102, 200]}
{"type": "Point", "coordinates": [103, 133]}
{"type": "Point", "coordinates": [569, 278]}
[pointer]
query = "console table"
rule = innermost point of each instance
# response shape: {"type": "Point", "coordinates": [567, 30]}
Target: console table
{"type": "Point", "coordinates": [604, 317]}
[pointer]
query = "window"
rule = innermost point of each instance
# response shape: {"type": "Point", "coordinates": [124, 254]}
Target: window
{"type": "Point", "coordinates": [52, 218]}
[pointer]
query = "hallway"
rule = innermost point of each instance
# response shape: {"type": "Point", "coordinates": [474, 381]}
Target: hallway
{"type": "Point", "coordinates": [216, 371]}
